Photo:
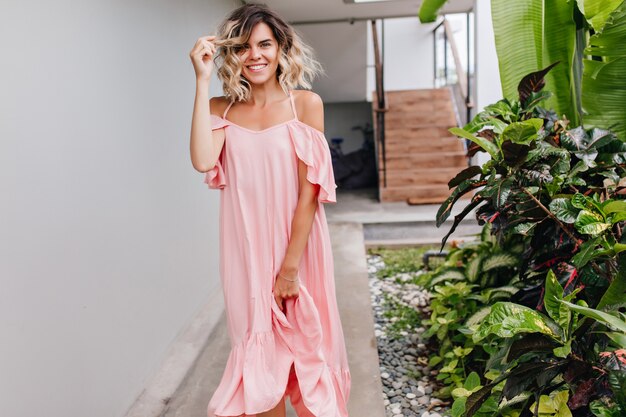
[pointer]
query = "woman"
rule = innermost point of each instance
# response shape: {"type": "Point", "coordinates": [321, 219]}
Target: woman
{"type": "Point", "coordinates": [262, 145]}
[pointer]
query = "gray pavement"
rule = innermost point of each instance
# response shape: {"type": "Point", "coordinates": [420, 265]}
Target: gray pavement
{"type": "Point", "coordinates": [397, 223]}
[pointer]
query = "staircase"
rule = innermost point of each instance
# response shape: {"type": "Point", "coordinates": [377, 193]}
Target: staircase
{"type": "Point", "coordinates": [421, 155]}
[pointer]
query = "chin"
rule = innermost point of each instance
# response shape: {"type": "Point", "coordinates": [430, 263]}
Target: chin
{"type": "Point", "coordinates": [258, 80]}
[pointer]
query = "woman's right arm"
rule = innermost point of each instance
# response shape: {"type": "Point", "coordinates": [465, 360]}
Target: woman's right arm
{"type": "Point", "coordinates": [205, 143]}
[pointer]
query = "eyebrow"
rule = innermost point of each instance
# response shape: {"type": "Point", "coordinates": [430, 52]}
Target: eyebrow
{"type": "Point", "coordinates": [264, 40]}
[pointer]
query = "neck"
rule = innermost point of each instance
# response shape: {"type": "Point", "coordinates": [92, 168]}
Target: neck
{"type": "Point", "coordinates": [268, 92]}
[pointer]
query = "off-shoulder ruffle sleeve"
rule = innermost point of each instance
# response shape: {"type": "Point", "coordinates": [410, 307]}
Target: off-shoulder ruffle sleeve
{"type": "Point", "coordinates": [215, 177]}
{"type": "Point", "coordinates": [312, 148]}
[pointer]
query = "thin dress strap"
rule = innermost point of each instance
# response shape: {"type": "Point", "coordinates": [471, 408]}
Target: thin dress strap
{"type": "Point", "coordinates": [293, 104]}
{"type": "Point", "coordinates": [227, 108]}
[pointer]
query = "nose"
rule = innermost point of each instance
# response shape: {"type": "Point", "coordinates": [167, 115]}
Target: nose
{"type": "Point", "coordinates": [255, 52]}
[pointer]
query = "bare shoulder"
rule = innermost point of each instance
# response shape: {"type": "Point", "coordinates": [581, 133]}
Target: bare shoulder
{"type": "Point", "coordinates": [310, 108]}
{"type": "Point", "coordinates": [307, 100]}
{"type": "Point", "coordinates": [218, 105]}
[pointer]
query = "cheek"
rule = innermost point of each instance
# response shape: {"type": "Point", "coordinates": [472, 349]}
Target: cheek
{"type": "Point", "coordinates": [275, 56]}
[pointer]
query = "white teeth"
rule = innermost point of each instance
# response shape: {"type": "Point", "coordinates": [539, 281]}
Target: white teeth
{"type": "Point", "coordinates": [257, 67]}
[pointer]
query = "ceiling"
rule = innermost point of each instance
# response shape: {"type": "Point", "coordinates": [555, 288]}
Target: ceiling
{"type": "Point", "coordinates": [299, 11]}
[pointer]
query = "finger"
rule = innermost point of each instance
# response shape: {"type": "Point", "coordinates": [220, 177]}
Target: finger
{"type": "Point", "coordinates": [206, 52]}
{"type": "Point", "coordinates": [209, 45]}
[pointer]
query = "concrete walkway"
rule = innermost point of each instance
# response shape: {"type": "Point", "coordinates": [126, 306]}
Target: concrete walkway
{"type": "Point", "coordinates": [397, 223]}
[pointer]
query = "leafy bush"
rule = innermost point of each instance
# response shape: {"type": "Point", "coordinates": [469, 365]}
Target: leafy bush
{"type": "Point", "coordinates": [474, 275]}
{"type": "Point", "coordinates": [556, 191]}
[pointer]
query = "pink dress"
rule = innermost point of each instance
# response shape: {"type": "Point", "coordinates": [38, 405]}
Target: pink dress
{"type": "Point", "coordinates": [257, 174]}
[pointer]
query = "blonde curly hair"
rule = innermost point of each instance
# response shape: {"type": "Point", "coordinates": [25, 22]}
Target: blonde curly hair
{"type": "Point", "coordinates": [297, 66]}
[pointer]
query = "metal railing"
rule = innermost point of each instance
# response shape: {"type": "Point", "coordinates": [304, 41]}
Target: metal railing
{"type": "Point", "coordinates": [380, 106]}
{"type": "Point", "coordinates": [452, 72]}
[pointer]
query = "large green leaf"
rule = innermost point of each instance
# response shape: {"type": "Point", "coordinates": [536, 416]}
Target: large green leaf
{"type": "Point", "coordinates": [563, 209]}
{"type": "Point", "coordinates": [472, 270]}
{"type": "Point", "coordinates": [552, 296]}
{"type": "Point", "coordinates": [484, 144]}
{"type": "Point", "coordinates": [590, 223]}
{"type": "Point", "coordinates": [603, 86]}
{"type": "Point", "coordinates": [616, 293]}
{"type": "Point", "coordinates": [605, 318]}
{"type": "Point", "coordinates": [428, 10]}
{"type": "Point", "coordinates": [585, 253]}
{"type": "Point", "coordinates": [618, 338]}
{"type": "Point", "coordinates": [523, 133]}
{"type": "Point", "coordinates": [614, 206]}
{"type": "Point", "coordinates": [500, 260]}
{"type": "Point", "coordinates": [597, 11]}
{"type": "Point", "coordinates": [509, 319]}
{"type": "Point", "coordinates": [530, 35]}
{"type": "Point", "coordinates": [601, 410]}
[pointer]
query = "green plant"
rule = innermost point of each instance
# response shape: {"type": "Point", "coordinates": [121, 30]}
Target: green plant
{"type": "Point", "coordinates": [586, 36]}
{"type": "Point", "coordinates": [485, 263]}
{"type": "Point", "coordinates": [473, 275]}
{"type": "Point", "coordinates": [554, 186]}
{"type": "Point", "coordinates": [558, 190]}
{"type": "Point", "coordinates": [538, 354]}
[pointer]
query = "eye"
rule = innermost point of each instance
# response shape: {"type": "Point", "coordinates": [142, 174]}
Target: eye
{"type": "Point", "coordinates": [239, 49]}
{"type": "Point", "coordinates": [266, 44]}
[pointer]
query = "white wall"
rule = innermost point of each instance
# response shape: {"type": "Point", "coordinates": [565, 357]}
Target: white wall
{"type": "Point", "coordinates": [408, 54]}
{"type": "Point", "coordinates": [488, 86]}
{"type": "Point", "coordinates": [341, 49]}
{"type": "Point", "coordinates": [108, 235]}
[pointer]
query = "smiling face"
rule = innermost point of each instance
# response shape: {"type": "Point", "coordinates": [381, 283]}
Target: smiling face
{"type": "Point", "coordinates": [259, 55]}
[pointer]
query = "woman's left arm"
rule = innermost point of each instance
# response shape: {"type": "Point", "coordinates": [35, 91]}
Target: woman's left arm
{"type": "Point", "coordinates": [311, 113]}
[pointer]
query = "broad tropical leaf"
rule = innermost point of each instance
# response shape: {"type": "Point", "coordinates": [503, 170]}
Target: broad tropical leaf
{"type": "Point", "coordinates": [533, 34]}
{"type": "Point", "coordinates": [428, 10]}
{"type": "Point", "coordinates": [600, 316]}
{"type": "Point", "coordinates": [509, 319]}
{"type": "Point", "coordinates": [616, 293]}
{"type": "Point", "coordinates": [603, 87]}
{"type": "Point", "coordinates": [500, 260]}
{"type": "Point", "coordinates": [485, 145]}
{"type": "Point", "coordinates": [597, 11]}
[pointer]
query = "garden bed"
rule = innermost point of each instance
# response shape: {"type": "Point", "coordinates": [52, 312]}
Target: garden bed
{"type": "Point", "coordinates": [399, 306]}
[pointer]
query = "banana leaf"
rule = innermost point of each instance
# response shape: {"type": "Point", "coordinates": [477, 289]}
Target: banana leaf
{"type": "Point", "coordinates": [428, 10]}
{"type": "Point", "coordinates": [530, 35]}
{"type": "Point", "coordinates": [603, 87]}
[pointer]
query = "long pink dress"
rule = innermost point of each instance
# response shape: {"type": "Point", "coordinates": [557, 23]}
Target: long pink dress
{"type": "Point", "coordinates": [257, 174]}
